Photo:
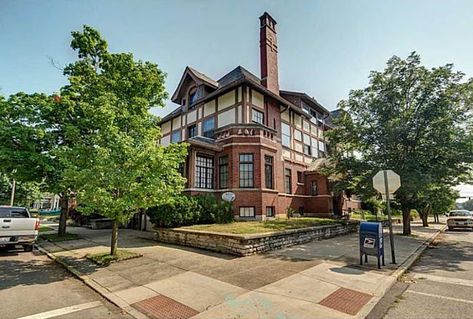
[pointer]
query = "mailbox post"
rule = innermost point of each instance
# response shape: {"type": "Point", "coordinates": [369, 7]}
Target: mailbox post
{"type": "Point", "coordinates": [371, 242]}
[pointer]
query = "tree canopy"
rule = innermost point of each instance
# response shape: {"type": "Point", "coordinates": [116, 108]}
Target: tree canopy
{"type": "Point", "coordinates": [413, 120]}
{"type": "Point", "coordinates": [115, 162]}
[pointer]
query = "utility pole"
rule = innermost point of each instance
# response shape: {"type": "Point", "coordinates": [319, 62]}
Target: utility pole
{"type": "Point", "coordinates": [388, 207]}
{"type": "Point", "coordinates": [13, 186]}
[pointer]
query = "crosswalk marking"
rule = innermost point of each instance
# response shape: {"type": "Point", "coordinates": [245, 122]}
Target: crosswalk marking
{"type": "Point", "coordinates": [439, 296]}
{"type": "Point", "coordinates": [63, 311]}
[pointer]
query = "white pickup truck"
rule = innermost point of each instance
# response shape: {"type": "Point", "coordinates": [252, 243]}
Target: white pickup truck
{"type": "Point", "coordinates": [17, 227]}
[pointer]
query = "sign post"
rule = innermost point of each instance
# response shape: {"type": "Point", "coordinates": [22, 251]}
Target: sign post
{"type": "Point", "coordinates": [387, 182]}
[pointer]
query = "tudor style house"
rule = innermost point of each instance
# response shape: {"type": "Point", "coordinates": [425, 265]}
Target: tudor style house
{"type": "Point", "coordinates": [249, 137]}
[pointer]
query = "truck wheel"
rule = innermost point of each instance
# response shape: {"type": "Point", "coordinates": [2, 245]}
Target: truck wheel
{"type": "Point", "coordinates": [28, 247]}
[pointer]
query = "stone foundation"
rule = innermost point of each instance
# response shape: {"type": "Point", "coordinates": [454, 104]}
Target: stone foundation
{"type": "Point", "coordinates": [244, 245]}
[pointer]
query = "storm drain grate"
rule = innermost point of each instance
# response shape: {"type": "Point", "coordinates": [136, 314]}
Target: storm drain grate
{"type": "Point", "coordinates": [346, 300]}
{"type": "Point", "coordinates": [162, 307]}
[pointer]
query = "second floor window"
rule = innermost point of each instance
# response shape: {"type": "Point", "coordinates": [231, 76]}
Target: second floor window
{"type": "Point", "coordinates": [307, 147]}
{"type": "Point", "coordinates": [176, 136]}
{"type": "Point", "coordinates": [191, 131]}
{"type": "Point", "coordinates": [208, 127]}
{"type": "Point", "coordinates": [257, 116]}
{"type": "Point", "coordinates": [268, 171]}
{"type": "Point", "coordinates": [287, 181]}
{"type": "Point", "coordinates": [204, 172]}
{"type": "Point", "coordinates": [246, 170]}
{"type": "Point", "coordinates": [223, 171]}
{"type": "Point", "coordinates": [286, 135]}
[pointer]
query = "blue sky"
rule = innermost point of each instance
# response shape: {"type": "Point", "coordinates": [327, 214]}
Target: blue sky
{"type": "Point", "coordinates": [326, 47]}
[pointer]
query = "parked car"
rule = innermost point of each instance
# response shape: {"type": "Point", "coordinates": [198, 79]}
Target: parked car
{"type": "Point", "coordinates": [460, 219]}
{"type": "Point", "coordinates": [17, 227]}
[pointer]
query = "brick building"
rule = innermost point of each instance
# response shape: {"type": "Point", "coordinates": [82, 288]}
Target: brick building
{"type": "Point", "coordinates": [249, 137]}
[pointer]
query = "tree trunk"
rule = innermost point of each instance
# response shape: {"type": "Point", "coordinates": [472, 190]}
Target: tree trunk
{"type": "Point", "coordinates": [406, 221]}
{"type": "Point", "coordinates": [114, 242]}
{"type": "Point", "coordinates": [424, 215]}
{"type": "Point", "coordinates": [64, 200]}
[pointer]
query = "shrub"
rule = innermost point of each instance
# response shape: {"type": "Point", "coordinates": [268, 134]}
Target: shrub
{"type": "Point", "coordinates": [214, 211]}
{"type": "Point", "coordinates": [182, 210]}
{"type": "Point", "coordinates": [224, 214]}
{"type": "Point", "coordinates": [186, 210]}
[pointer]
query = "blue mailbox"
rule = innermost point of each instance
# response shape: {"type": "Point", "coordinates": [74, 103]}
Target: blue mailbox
{"type": "Point", "coordinates": [371, 242]}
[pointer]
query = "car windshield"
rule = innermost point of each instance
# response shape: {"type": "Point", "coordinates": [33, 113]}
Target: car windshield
{"type": "Point", "coordinates": [460, 213]}
{"type": "Point", "coordinates": [13, 212]}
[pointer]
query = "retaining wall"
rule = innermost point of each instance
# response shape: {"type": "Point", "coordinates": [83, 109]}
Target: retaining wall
{"type": "Point", "coordinates": [244, 245]}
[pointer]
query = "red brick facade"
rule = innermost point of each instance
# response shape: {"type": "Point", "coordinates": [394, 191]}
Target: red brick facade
{"type": "Point", "coordinates": [259, 141]}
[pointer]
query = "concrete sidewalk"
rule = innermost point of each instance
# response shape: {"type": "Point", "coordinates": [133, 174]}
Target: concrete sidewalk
{"type": "Point", "coordinates": [320, 279]}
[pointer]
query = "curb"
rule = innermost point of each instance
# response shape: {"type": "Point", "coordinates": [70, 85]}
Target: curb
{"type": "Point", "coordinates": [415, 255]}
{"type": "Point", "coordinates": [110, 296]}
{"type": "Point", "coordinates": [401, 270]}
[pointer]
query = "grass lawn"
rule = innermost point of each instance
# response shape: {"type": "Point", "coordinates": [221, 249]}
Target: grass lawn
{"type": "Point", "coordinates": [368, 217]}
{"type": "Point", "coordinates": [105, 259]}
{"type": "Point", "coordinates": [43, 228]}
{"type": "Point", "coordinates": [256, 227]}
{"type": "Point", "coordinates": [56, 238]}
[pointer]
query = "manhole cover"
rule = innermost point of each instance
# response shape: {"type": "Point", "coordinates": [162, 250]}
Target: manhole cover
{"type": "Point", "coordinates": [346, 300]}
{"type": "Point", "coordinates": [162, 307]}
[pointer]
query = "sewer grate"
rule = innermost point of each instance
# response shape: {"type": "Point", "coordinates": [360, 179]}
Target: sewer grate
{"type": "Point", "coordinates": [346, 300]}
{"type": "Point", "coordinates": [162, 307]}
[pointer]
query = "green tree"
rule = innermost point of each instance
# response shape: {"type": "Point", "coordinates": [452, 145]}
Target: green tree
{"type": "Point", "coordinates": [468, 205]}
{"type": "Point", "coordinates": [25, 192]}
{"type": "Point", "coordinates": [410, 119]}
{"type": "Point", "coordinates": [115, 163]}
{"type": "Point", "coordinates": [24, 142]}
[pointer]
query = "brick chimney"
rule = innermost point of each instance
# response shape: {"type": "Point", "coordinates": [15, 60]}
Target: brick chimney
{"type": "Point", "coordinates": [269, 53]}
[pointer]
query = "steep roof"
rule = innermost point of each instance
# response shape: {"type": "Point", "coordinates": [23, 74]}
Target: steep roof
{"type": "Point", "coordinates": [195, 75]}
{"type": "Point", "coordinates": [307, 98]}
{"type": "Point", "coordinates": [204, 77]}
{"type": "Point", "coordinates": [230, 80]}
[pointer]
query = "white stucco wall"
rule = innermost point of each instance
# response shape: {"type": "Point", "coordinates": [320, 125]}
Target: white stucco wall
{"type": "Point", "coordinates": [257, 99]}
{"type": "Point", "coordinates": [166, 127]}
{"type": "Point", "coordinates": [209, 108]}
{"type": "Point", "coordinates": [227, 117]}
{"type": "Point", "coordinates": [226, 100]}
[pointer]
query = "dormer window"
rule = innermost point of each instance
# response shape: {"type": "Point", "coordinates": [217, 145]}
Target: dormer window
{"type": "Point", "coordinates": [192, 98]}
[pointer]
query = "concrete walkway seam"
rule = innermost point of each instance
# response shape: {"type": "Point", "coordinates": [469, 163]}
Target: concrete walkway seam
{"type": "Point", "coordinates": [111, 297]}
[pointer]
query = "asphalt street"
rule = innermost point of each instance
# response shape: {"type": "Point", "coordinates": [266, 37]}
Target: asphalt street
{"type": "Point", "coordinates": [440, 285]}
{"type": "Point", "coordinates": [32, 286]}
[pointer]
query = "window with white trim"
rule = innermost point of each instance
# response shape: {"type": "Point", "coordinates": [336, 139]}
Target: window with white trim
{"type": "Point", "coordinates": [247, 211]}
{"type": "Point", "coordinates": [286, 135]}
{"type": "Point", "coordinates": [270, 211]}
{"type": "Point", "coordinates": [257, 116]}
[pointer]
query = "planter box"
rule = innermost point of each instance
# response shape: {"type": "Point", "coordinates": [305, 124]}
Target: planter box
{"type": "Point", "coordinates": [244, 245]}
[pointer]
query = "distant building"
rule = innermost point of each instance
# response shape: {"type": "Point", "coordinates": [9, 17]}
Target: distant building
{"type": "Point", "coordinates": [47, 202]}
{"type": "Point", "coordinates": [251, 138]}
